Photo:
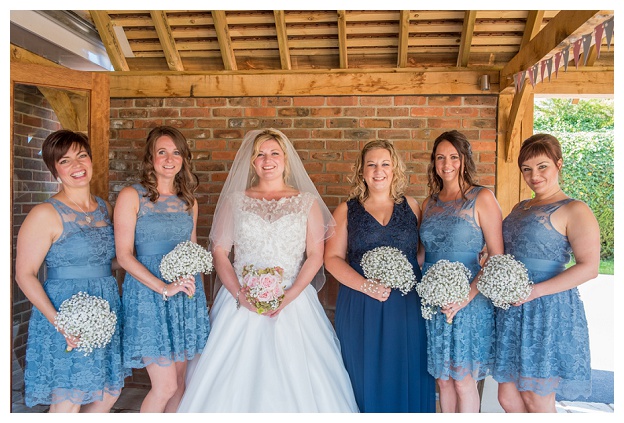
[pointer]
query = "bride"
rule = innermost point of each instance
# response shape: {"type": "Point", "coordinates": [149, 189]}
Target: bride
{"type": "Point", "coordinates": [282, 360]}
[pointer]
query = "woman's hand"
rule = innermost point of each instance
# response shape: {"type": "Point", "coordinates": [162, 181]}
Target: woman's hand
{"type": "Point", "coordinates": [533, 295]}
{"type": "Point", "coordinates": [289, 296]}
{"type": "Point", "coordinates": [184, 284]}
{"type": "Point", "coordinates": [450, 310]}
{"type": "Point", "coordinates": [376, 290]}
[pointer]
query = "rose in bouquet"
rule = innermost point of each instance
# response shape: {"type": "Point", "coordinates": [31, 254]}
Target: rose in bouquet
{"type": "Point", "coordinates": [88, 318]}
{"type": "Point", "coordinates": [444, 283]}
{"type": "Point", "coordinates": [184, 261]}
{"type": "Point", "coordinates": [504, 281]}
{"type": "Point", "coordinates": [389, 266]}
{"type": "Point", "coordinates": [264, 288]}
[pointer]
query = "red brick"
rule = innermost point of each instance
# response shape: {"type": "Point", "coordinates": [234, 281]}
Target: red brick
{"type": "Point", "coordinates": [261, 111]}
{"type": "Point", "coordinates": [427, 111]}
{"type": "Point", "coordinates": [462, 111]}
{"type": "Point", "coordinates": [342, 101]}
{"type": "Point", "coordinates": [445, 101]}
{"type": "Point", "coordinates": [376, 101]}
{"type": "Point", "coordinates": [358, 111]}
{"type": "Point", "coordinates": [392, 111]}
{"type": "Point", "coordinates": [375, 123]}
{"type": "Point", "coordinates": [410, 100]}
{"type": "Point", "coordinates": [444, 123]}
{"type": "Point", "coordinates": [308, 101]}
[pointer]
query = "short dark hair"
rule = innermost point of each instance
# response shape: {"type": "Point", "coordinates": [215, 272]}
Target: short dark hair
{"type": "Point", "coordinates": [58, 143]}
{"type": "Point", "coordinates": [540, 144]}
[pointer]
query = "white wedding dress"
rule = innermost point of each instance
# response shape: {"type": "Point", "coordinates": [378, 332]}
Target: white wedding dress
{"type": "Point", "coordinates": [254, 363]}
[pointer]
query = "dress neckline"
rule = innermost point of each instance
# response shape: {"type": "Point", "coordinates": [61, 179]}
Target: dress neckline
{"type": "Point", "coordinates": [375, 219]}
{"type": "Point", "coordinates": [437, 198]}
{"type": "Point", "coordinates": [273, 200]}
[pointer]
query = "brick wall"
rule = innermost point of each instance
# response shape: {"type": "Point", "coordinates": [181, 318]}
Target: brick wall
{"type": "Point", "coordinates": [328, 133]}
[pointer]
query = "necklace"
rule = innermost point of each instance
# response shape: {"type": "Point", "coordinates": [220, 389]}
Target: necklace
{"type": "Point", "coordinates": [527, 206]}
{"type": "Point", "coordinates": [87, 217]}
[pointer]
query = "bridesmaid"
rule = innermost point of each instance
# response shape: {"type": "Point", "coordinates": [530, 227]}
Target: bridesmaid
{"type": "Point", "coordinates": [459, 218]}
{"type": "Point", "coordinates": [542, 344]}
{"type": "Point", "coordinates": [73, 232]}
{"type": "Point", "coordinates": [164, 324]}
{"type": "Point", "coordinates": [381, 332]}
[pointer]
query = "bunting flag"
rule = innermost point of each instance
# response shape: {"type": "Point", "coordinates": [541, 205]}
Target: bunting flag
{"type": "Point", "coordinates": [599, 31]}
{"type": "Point", "coordinates": [584, 42]}
{"type": "Point", "coordinates": [586, 47]}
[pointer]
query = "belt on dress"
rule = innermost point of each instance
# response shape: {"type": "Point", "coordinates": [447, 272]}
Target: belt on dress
{"type": "Point", "coordinates": [79, 272]}
{"type": "Point", "coordinates": [539, 265]}
{"type": "Point", "coordinates": [157, 248]}
{"type": "Point", "coordinates": [464, 257]}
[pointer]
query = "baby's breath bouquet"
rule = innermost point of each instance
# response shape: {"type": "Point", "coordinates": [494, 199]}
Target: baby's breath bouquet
{"type": "Point", "coordinates": [445, 282]}
{"type": "Point", "coordinates": [88, 318]}
{"type": "Point", "coordinates": [184, 261]}
{"type": "Point", "coordinates": [265, 289]}
{"type": "Point", "coordinates": [390, 267]}
{"type": "Point", "coordinates": [504, 280]}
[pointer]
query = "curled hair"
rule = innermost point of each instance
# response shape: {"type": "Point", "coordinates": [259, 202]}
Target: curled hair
{"type": "Point", "coordinates": [266, 135]}
{"type": "Point", "coordinates": [58, 143]}
{"type": "Point", "coordinates": [359, 188]}
{"type": "Point", "coordinates": [185, 182]}
{"type": "Point", "coordinates": [468, 172]}
{"type": "Point", "coordinates": [540, 144]}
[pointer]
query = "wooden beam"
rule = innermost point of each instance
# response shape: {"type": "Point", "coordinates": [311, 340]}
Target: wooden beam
{"type": "Point", "coordinates": [64, 109]}
{"type": "Point", "coordinates": [533, 26]}
{"type": "Point", "coordinates": [167, 40]}
{"type": "Point", "coordinates": [518, 108]}
{"type": "Point", "coordinates": [225, 42]}
{"type": "Point", "coordinates": [466, 38]}
{"type": "Point", "coordinates": [564, 24]}
{"type": "Point", "coordinates": [342, 39]}
{"type": "Point", "coordinates": [282, 39]}
{"type": "Point", "coordinates": [293, 83]}
{"type": "Point", "coordinates": [592, 56]}
{"type": "Point", "coordinates": [404, 22]}
{"type": "Point", "coordinates": [99, 132]}
{"type": "Point", "coordinates": [585, 81]}
{"type": "Point", "coordinates": [104, 26]}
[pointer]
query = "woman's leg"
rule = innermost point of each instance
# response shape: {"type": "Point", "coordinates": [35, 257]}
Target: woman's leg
{"type": "Point", "coordinates": [467, 395]}
{"type": "Point", "coordinates": [510, 399]}
{"type": "Point", "coordinates": [164, 386]}
{"type": "Point", "coordinates": [172, 404]}
{"type": "Point", "coordinates": [102, 406]}
{"type": "Point", "coordinates": [448, 395]}
{"type": "Point", "coordinates": [536, 403]}
{"type": "Point", "coordinates": [64, 407]}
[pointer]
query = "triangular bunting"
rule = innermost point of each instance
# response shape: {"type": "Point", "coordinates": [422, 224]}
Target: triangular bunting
{"type": "Point", "coordinates": [599, 31]}
{"type": "Point", "coordinates": [549, 63]}
{"type": "Point", "coordinates": [542, 68]}
{"type": "Point", "coordinates": [531, 78]}
{"type": "Point", "coordinates": [535, 75]}
{"type": "Point", "coordinates": [516, 81]}
{"type": "Point", "coordinates": [577, 52]}
{"type": "Point", "coordinates": [566, 57]}
{"type": "Point", "coordinates": [557, 63]}
{"type": "Point", "coordinates": [586, 47]}
{"type": "Point", "coordinates": [608, 27]}
{"type": "Point", "coordinates": [522, 79]}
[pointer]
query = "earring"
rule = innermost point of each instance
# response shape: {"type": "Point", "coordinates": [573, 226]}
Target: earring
{"type": "Point", "coordinates": [58, 179]}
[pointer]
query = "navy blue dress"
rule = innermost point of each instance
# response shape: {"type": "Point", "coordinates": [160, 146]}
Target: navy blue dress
{"type": "Point", "coordinates": [383, 344]}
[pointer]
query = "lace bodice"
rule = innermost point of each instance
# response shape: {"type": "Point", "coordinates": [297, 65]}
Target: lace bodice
{"type": "Point", "coordinates": [167, 220]}
{"type": "Point", "coordinates": [270, 233]}
{"type": "Point", "coordinates": [530, 234]}
{"type": "Point", "coordinates": [450, 226]}
{"type": "Point", "coordinates": [82, 243]}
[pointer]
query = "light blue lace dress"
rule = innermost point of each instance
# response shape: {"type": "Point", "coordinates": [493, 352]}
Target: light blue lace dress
{"type": "Point", "coordinates": [80, 260]}
{"type": "Point", "coordinates": [543, 345]}
{"type": "Point", "coordinates": [465, 347]}
{"type": "Point", "coordinates": [157, 331]}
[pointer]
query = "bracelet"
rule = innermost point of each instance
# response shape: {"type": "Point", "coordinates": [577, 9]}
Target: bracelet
{"type": "Point", "coordinates": [165, 295]}
{"type": "Point", "coordinates": [370, 286]}
{"type": "Point", "coordinates": [237, 299]}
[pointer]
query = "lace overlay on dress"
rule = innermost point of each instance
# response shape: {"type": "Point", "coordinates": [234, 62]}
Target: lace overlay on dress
{"type": "Point", "coordinates": [255, 218]}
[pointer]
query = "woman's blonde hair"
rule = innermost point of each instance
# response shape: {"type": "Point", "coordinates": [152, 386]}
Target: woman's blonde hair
{"type": "Point", "coordinates": [263, 136]}
{"type": "Point", "coordinates": [185, 182]}
{"type": "Point", "coordinates": [359, 188]}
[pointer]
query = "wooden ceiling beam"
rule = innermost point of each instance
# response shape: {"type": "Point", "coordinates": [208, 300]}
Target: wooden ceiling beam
{"type": "Point", "coordinates": [563, 25]}
{"type": "Point", "coordinates": [104, 27]}
{"type": "Point", "coordinates": [533, 26]}
{"type": "Point", "coordinates": [342, 39]}
{"type": "Point", "coordinates": [225, 42]}
{"type": "Point", "coordinates": [514, 124]}
{"type": "Point", "coordinates": [282, 39]}
{"type": "Point", "coordinates": [470, 17]}
{"type": "Point", "coordinates": [167, 40]}
{"type": "Point", "coordinates": [404, 27]}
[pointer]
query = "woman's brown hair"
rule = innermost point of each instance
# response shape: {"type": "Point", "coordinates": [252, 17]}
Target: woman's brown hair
{"type": "Point", "coordinates": [58, 143]}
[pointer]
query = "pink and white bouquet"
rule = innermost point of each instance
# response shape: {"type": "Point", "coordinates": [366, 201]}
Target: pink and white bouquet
{"type": "Point", "coordinates": [265, 289]}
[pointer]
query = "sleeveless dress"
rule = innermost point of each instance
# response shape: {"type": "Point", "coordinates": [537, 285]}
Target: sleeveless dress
{"type": "Point", "coordinates": [383, 343]}
{"type": "Point", "coordinates": [80, 260]}
{"type": "Point", "coordinates": [157, 331]}
{"type": "Point", "coordinates": [255, 363]}
{"type": "Point", "coordinates": [543, 345]}
{"type": "Point", "coordinates": [466, 347]}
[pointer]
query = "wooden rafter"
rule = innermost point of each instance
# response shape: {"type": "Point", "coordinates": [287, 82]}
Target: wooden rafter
{"type": "Point", "coordinates": [104, 26]}
{"type": "Point", "coordinates": [518, 108]}
{"type": "Point", "coordinates": [167, 40]}
{"type": "Point", "coordinates": [342, 39]}
{"type": "Point", "coordinates": [282, 39]}
{"type": "Point", "coordinates": [404, 22]}
{"type": "Point", "coordinates": [225, 42]}
{"type": "Point", "coordinates": [466, 38]}
{"type": "Point", "coordinates": [533, 26]}
{"type": "Point", "coordinates": [564, 24]}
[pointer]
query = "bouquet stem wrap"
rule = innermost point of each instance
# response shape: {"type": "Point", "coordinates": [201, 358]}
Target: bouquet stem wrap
{"type": "Point", "coordinates": [265, 289]}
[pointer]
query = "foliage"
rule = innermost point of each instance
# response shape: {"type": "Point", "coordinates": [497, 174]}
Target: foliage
{"type": "Point", "coordinates": [585, 131]}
